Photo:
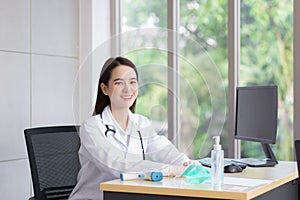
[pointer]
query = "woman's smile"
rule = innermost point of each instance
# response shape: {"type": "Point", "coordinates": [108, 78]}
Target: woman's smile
{"type": "Point", "coordinates": [126, 97]}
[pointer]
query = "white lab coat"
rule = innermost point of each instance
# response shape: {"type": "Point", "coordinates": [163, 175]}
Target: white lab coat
{"type": "Point", "coordinates": [103, 158]}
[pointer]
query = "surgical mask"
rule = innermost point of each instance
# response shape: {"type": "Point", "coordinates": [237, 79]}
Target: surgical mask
{"type": "Point", "coordinates": [196, 174]}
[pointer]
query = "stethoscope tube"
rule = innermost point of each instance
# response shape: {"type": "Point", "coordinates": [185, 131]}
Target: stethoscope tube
{"type": "Point", "coordinates": [142, 145]}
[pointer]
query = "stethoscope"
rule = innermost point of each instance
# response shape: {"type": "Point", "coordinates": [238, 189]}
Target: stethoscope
{"type": "Point", "coordinates": [111, 129]}
{"type": "Point", "coordinates": [108, 129]}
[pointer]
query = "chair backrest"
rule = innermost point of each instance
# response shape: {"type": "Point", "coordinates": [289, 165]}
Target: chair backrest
{"type": "Point", "coordinates": [297, 150]}
{"type": "Point", "coordinates": [53, 159]}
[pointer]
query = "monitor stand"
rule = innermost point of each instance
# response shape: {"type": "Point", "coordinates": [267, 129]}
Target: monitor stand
{"type": "Point", "coordinates": [269, 161]}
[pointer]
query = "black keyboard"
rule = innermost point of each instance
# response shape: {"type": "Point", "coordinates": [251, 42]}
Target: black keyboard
{"type": "Point", "coordinates": [254, 162]}
{"type": "Point", "coordinates": [207, 162]}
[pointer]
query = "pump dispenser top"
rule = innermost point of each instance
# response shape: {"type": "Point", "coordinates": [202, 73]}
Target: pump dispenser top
{"type": "Point", "coordinates": [217, 145]}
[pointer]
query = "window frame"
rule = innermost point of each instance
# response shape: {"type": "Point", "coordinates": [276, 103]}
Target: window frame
{"type": "Point", "coordinates": [296, 69]}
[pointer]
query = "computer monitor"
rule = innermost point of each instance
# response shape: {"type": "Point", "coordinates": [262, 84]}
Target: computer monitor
{"type": "Point", "coordinates": [256, 119]}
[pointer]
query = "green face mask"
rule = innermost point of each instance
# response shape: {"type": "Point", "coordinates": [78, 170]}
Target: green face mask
{"type": "Point", "coordinates": [196, 174]}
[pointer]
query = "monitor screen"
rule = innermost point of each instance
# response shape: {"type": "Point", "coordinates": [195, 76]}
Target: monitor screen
{"type": "Point", "coordinates": [256, 113]}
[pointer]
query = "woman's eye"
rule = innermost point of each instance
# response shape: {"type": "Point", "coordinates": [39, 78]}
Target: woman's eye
{"type": "Point", "coordinates": [118, 83]}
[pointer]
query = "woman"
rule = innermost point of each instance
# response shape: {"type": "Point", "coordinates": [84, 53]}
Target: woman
{"type": "Point", "coordinates": [116, 140]}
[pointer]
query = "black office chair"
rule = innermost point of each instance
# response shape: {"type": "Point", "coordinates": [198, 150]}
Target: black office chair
{"type": "Point", "coordinates": [53, 159]}
{"type": "Point", "coordinates": [297, 150]}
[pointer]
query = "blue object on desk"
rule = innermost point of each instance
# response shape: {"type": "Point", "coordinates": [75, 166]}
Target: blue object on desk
{"type": "Point", "coordinates": [152, 176]}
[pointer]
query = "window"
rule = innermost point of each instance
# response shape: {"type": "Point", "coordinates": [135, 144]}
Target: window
{"type": "Point", "coordinates": [267, 58]}
{"type": "Point", "coordinates": [202, 60]}
{"type": "Point", "coordinates": [143, 40]}
{"type": "Point", "coordinates": [203, 74]}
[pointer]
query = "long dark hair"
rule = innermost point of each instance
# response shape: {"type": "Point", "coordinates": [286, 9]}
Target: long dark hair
{"type": "Point", "coordinates": [102, 99]}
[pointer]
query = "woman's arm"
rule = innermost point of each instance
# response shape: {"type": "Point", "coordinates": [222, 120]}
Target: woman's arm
{"type": "Point", "coordinates": [160, 149]}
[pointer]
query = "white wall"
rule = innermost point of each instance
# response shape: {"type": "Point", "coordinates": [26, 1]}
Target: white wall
{"type": "Point", "coordinates": [94, 42]}
{"type": "Point", "coordinates": [38, 67]}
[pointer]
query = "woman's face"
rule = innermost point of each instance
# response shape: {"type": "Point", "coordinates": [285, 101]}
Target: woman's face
{"type": "Point", "coordinates": [122, 87]}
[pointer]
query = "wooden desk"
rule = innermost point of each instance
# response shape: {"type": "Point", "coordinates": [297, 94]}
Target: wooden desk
{"type": "Point", "coordinates": [279, 182]}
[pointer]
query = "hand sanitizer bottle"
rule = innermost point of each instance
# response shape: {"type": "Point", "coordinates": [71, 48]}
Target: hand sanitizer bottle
{"type": "Point", "coordinates": [217, 164]}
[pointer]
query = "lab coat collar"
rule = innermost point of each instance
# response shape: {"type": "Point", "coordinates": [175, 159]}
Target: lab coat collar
{"type": "Point", "coordinates": [108, 119]}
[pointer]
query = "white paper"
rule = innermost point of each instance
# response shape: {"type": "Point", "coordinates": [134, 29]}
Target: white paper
{"type": "Point", "coordinates": [248, 182]}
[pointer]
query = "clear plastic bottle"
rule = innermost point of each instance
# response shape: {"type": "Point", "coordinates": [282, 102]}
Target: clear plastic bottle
{"type": "Point", "coordinates": [217, 164]}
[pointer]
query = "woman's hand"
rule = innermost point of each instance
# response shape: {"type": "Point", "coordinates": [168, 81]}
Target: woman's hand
{"type": "Point", "coordinates": [194, 162]}
{"type": "Point", "coordinates": [177, 170]}
{"type": "Point", "coordinates": [173, 170]}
